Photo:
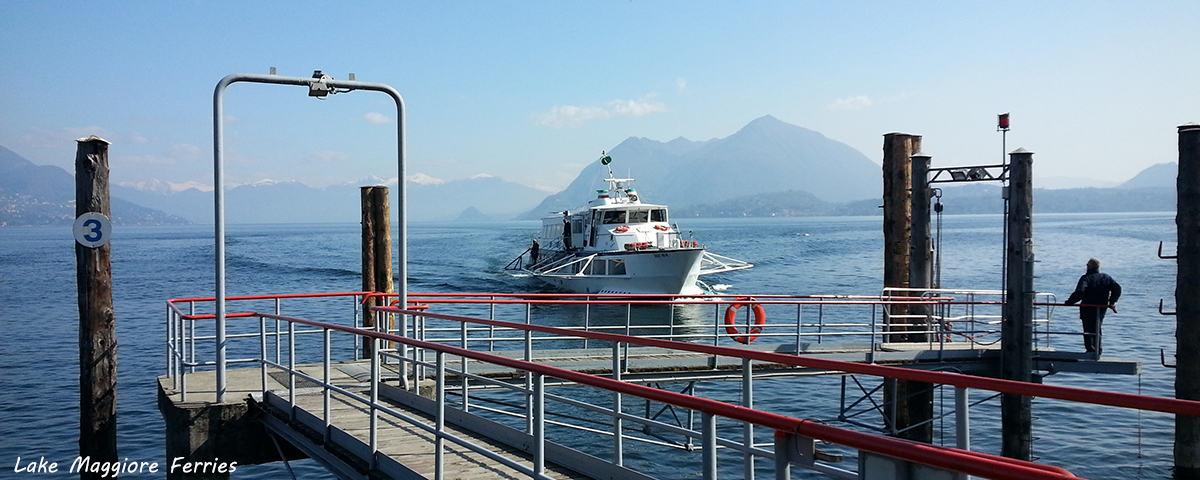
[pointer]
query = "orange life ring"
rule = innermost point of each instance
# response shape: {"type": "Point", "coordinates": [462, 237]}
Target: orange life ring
{"type": "Point", "coordinates": [622, 229]}
{"type": "Point", "coordinates": [760, 319]}
{"type": "Point", "coordinates": [662, 227]}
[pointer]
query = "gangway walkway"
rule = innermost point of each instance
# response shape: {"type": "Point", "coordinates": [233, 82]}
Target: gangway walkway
{"type": "Point", "coordinates": [445, 404]}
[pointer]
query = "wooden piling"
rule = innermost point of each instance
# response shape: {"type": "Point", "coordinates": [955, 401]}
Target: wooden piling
{"type": "Point", "coordinates": [376, 249]}
{"type": "Point", "coordinates": [898, 149]}
{"type": "Point", "coordinates": [1016, 330]}
{"type": "Point", "coordinates": [913, 401]}
{"type": "Point", "coordinates": [917, 402]}
{"type": "Point", "coordinates": [97, 322]}
{"type": "Point", "coordinates": [1187, 301]}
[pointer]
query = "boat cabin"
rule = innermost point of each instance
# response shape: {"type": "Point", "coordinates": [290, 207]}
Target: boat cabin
{"type": "Point", "coordinates": [615, 220]}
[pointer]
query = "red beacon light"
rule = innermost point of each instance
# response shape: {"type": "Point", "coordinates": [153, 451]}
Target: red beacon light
{"type": "Point", "coordinates": [1003, 122]}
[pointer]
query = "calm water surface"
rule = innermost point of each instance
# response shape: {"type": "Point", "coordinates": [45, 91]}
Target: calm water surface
{"type": "Point", "coordinates": [38, 316]}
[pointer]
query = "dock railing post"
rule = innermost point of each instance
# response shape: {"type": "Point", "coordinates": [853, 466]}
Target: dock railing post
{"type": "Point", "coordinates": [97, 322]}
{"type": "Point", "coordinates": [1187, 301]}
{"type": "Point", "coordinates": [709, 442]}
{"type": "Point", "coordinates": [618, 423]}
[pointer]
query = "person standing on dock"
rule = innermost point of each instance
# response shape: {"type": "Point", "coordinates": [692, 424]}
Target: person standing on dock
{"type": "Point", "coordinates": [533, 253]}
{"type": "Point", "coordinates": [1098, 292]}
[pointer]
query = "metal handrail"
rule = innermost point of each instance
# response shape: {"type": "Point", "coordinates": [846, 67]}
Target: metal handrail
{"type": "Point", "coordinates": [1125, 400]}
{"type": "Point", "coordinates": [972, 463]}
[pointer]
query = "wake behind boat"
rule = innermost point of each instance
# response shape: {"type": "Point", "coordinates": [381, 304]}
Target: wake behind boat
{"type": "Point", "coordinates": [617, 244]}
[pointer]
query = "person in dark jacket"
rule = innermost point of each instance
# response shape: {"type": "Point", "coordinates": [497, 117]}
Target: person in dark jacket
{"type": "Point", "coordinates": [1098, 292]}
{"type": "Point", "coordinates": [533, 253]}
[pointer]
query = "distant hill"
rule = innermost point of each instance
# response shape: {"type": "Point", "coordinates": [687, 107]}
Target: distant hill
{"type": "Point", "coordinates": [45, 195]}
{"type": "Point", "coordinates": [291, 202]}
{"type": "Point", "coordinates": [767, 155]}
{"type": "Point", "coordinates": [1162, 175]}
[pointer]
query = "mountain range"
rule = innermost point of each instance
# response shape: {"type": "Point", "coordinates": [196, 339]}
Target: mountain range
{"type": "Point", "coordinates": [768, 168]}
{"type": "Point", "coordinates": [765, 156]}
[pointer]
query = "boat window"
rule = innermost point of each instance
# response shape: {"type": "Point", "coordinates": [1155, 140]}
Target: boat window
{"type": "Point", "coordinates": [614, 216]}
{"type": "Point", "coordinates": [616, 267]}
{"type": "Point", "coordinates": [658, 215]}
{"type": "Point", "coordinates": [638, 216]}
{"type": "Point", "coordinates": [596, 268]}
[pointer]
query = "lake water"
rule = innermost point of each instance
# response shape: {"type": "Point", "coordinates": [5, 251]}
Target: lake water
{"type": "Point", "coordinates": [38, 313]}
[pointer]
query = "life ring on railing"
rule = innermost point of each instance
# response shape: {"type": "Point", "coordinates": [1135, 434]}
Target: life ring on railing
{"type": "Point", "coordinates": [760, 319]}
{"type": "Point", "coordinates": [621, 229]}
{"type": "Point", "coordinates": [662, 227]}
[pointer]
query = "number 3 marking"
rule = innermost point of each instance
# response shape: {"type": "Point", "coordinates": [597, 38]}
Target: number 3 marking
{"type": "Point", "coordinates": [95, 226]}
{"type": "Point", "coordinates": [92, 229]}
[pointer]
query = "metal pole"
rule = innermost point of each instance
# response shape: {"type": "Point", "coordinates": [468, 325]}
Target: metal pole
{"type": "Point", "coordinates": [618, 423]}
{"type": "Point", "coordinates": [539, 424]}
{"type": "Point", "coordinates": [709, 449]}
{"type": "Point", "coordinates": [219, 191]}
{"type": "Point", "coordinates": [747, 427]}
{"type": "Point", "coordinates": [440, 418]}
{"type": "Point", "coordinates": [529, 426]}
{"type": "Point", "coordinates": [374, 420]}
{"type": "Point", "coordinates": [962, 418]}
{"type": "Point", "coordinates": [219, 228]}
{"type": "Point", "coordinates": [326, 407]}
{"type": "Point", "coordinates": [962, 423]}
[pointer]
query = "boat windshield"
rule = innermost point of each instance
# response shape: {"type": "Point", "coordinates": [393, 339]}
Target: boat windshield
{"type": "Point", "coordinates": [639, 216]}
{"type": "Point", "coordinates": [658, 215]}
{"type": "Point", "coordinates": [614, 216]}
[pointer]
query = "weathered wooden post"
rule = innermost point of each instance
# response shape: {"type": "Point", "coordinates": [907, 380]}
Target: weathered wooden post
{"type": "Point", "coordinates": [907, 397]}
{"type": "Point", "coordinates": [918, 401]}
{"type": "Point", "coordinates": [920, 270]}
{"type": "Point", "coordinates": [97, 322]}
{"type": "Point", "coordinates": [1187, 301]}
{"type": "Point", "coordinates": [376, 250]}
{"type": "Point", "coordinates": [1016, 330]}
{"type": "Point", "coordinates": [898, 149]}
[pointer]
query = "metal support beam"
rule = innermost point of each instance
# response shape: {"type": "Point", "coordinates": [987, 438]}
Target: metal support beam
{"type": "Point", "coordinates": [318, 85]}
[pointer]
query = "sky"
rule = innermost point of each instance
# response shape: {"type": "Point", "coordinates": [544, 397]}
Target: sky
{"type": "Point", "coordinates": [532, 91]}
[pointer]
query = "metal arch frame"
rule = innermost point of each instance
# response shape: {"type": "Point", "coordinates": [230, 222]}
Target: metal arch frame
{"type": "Point", "coordinates": [329, 85]}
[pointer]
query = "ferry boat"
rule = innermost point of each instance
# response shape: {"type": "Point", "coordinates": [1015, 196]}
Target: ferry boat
{"type": "Point", "coordinates": [617, 244]}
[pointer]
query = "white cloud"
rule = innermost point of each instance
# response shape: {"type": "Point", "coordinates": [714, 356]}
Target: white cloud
{"type": "Point", "coordinates": [851, 103]}
{"type": "Point", "coordinates": [377, 118]}
{"type": "Point", "coordinates": [186, 151]}
{"type": "Point", "coordinates": [423, 179]}
{"type": "Point", "coordinates": [571, 116]}
{"type": "Point", "coordinates": [681, 86]}
{"type": "Point", "coordinates": [481, 175]}
{"type": "Point", "coordinates": [637, 108]}
{"type": "Point", "coordinates": [138, 139]}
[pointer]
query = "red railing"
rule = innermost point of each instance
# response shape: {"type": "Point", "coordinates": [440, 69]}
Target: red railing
{"type": "Point", "coordinates": [971, 463]}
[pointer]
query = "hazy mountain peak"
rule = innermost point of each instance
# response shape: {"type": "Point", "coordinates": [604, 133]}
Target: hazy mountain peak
{"type": "Point", "coordinates": [423, 179]}
{"type": "Point", "coordinates": [1161, 175]}
{"type": "Point", "coordinates": [162, 186]}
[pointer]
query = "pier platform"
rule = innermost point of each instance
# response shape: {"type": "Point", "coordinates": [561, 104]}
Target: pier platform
{"type": "Point", "coordinates": [295, 417]}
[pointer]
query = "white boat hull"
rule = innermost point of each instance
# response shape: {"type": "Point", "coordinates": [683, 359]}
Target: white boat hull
{"type": "Point", "coordinates": [654, 272]}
